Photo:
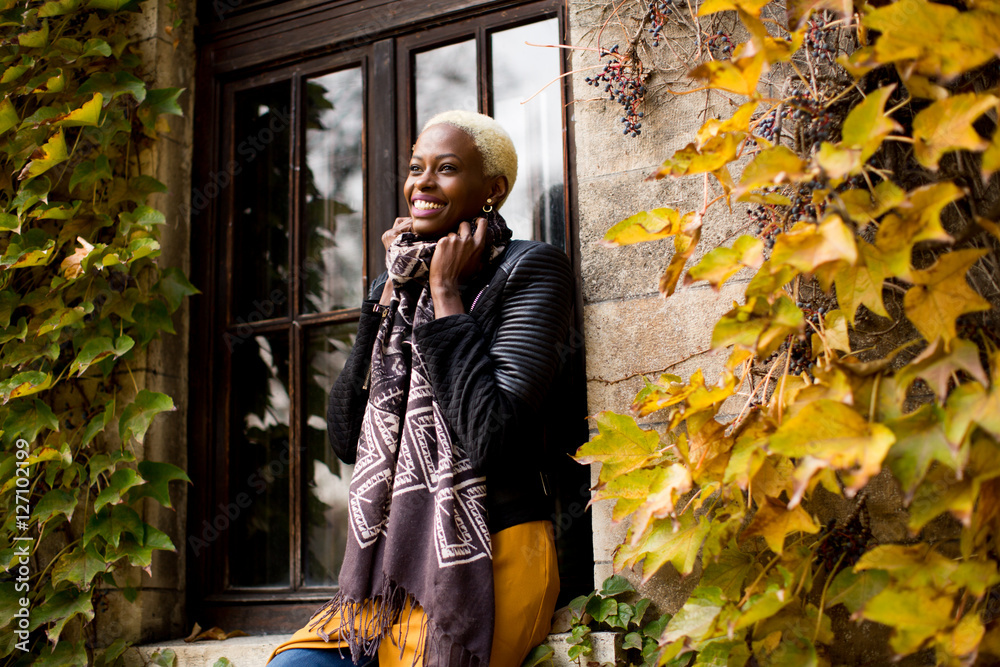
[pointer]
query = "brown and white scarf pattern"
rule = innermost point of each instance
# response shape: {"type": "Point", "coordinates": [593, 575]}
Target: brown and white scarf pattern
{"type": "Point", "coordinates": [417, 509]}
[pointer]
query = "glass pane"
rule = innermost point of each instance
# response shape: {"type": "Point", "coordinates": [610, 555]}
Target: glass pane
{"type": "Point", "coordinates": [446, 79]}
{"type": "Point", "coordinates": [325, 478]}
{"type": "Point", "coordinates": [334, 192]}
{"type": "Point", "coordinates": [259, 464]}
{"type": "Point", "coordinates": [260, 171]}
{"type": "Point", "coordinates": [534, 209]}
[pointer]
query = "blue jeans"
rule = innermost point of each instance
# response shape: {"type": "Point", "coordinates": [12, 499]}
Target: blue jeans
{"type": "Point", "coordinates": [318, 657]}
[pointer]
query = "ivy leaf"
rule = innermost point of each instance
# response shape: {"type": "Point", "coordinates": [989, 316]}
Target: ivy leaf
{"type": "Point", "coordinates": [138, 414]}
{"type": "Point", "coordinates": [159, 101]}
{"type": "Point", "coordinates": [854, 589]}
{"type": "Point", "coordinates": [616, 584]}
{"type": "Point", "coordinates": [651, 225]}
{"type": "Point", "coordinates": [71, 266]}
{"type": "Point", "coordinates": [78, 567]}
{"type": "Point", "coordinates": [99, 348]}
{"type": "Point", "coordinates": [158, 477]}
{"type": "Point", "coordinates": [52, 153]}
{"type": "Point", "coordinates": [665, 543]}
{"type": "Point", "coordinates": [174, 286]}
{"type": "Point", "coordinates": [89, 114]}
{"type": "Point", "coordinates": [946, 125]}
{"type": "Point", "coordinates": [914, 614]}
{"type": "Point", "coordinates": [917, 219]}
{"type": "Point", "coordinates": [54, 502]}
{"type": "Point", "coordinates": [716, 153]}
{"type": "Point", "coordinates": [685, 243]}
{"type": "Point", "coordinates": [738, 122]}
{"type": "Point", "coordinates": [920, 439]}
{"type": "Point", "coordinates": [774, 521]}
{"type": "Point", "coordinates": [941, 295]}
{"type": "Point", "coordinates": [36, 39]}
{"type": "Point", "coordinates": [620, 447]}
{"type": "Point", "coordinates": [98, 423]}
{"type": "Point", "coordinates": [738, 76]}
{"type": "Point", "coordinates": [810, 248]}
{"type": "Point", "coordinates": [866, 207]}
{"type": "Point", "coordinates": [59, 609]}
{"type": "Point", "coordinates": [729, 572]}
{"type": "Point", "coordinates": [139, 550]}
{"type": "Point", "coordinates": [121, 481]}
{"type": "Point", "coordinates": [537, 656]}
{"type": "Point", "coordinates": [8, 115]}
{"type": "Point", "coordinates": [835, 332]}
{"type": "Point", "coordinates": [861, 284]}
{"type": "Point", "coordinates": [111, 522]}
{"type": "Point", "coordinates": [696, 619]}
{"type": "Point", "coordinates": [114, 5]}
{"type": "Point", "coordinates": [828, 433]}
{"type": "Point", "coordinates": [867, 125]}
{"type": "Point", "coordinates": [772, 167]}
{"type": "Point", "coordinates": [721, 264]}
{"type": "Point", "coordinates": [111, 85]}
{"type": "Point", "coordinates": [751, 7]}
{"type": "Point", "coordinates": [936, 365]}
{"type": "Point", "coordinates": [838, 161]}
{"type": "Point", "coordinates": [25, 419]}
{"type": "Point", "coordinates": [669, 484]}
{"type": "Point", "coordinates": [24, 384]}
{"type": "Point", "coordinates": [151, 319]}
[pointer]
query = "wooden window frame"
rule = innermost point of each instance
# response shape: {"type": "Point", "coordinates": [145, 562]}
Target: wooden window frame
{"type": "Point", "coordinates": [269, 42]}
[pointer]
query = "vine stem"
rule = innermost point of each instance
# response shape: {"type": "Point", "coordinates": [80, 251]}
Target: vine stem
{"type": "Point", "coordinates": [539, 91]}
{"type": "Point", "coordinates": [822, 598]}
{"type": "Point", "coordinates": [781, 390]}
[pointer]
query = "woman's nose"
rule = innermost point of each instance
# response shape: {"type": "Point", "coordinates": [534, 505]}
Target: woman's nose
{"type": "Point", "coordinates": [425, 180]}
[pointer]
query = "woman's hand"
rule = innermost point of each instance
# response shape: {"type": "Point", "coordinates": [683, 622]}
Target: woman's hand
{"type": "Point", "coordinates": [401, 225]}
{"type": "Point", "coordinates": [456, 258]}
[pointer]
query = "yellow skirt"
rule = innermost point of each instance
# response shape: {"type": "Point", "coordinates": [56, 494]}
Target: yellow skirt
{"type": "Point", "coordinates": [525, 587]}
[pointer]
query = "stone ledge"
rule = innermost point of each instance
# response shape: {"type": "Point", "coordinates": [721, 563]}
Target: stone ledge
{"type": "Point", "coordinates": [253, 651]}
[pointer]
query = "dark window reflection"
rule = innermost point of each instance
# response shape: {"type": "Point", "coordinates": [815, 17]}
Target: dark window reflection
{"type": "Point", "coordinates": [334, 192]}
{"type": "Point", "coordinates": [259, 463]}
{"type": "Point", "coordinates": [260, 202]}
{"type": "Point", "coordinates": [326, 479]}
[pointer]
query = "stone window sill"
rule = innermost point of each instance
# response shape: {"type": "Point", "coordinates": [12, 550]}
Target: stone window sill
{"type": "Point", "coordinates": [253, 651]}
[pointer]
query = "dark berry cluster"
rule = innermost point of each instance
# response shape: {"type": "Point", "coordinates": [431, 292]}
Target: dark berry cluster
{"type": "Point", "coordinates": [721, 45]}
{"type": "Point", "coordinates": [659, 11]}
{"type": "Point", "coordinates": [765, 222]}
{"type": "Point", "coordinates": [801, 357]}
{"type": "Point", "coordinates": [622, 82]}
{"type": "Point", "coordinates": [766, 126]}
{"type": "Point", "coordinates": [813, 313]}
{"type": "Point", "coordinates": [846, 544]}
{"type": "Point", "coordinates": [802, 207]}
{"type": "Point", "coordinates": [818, 39]}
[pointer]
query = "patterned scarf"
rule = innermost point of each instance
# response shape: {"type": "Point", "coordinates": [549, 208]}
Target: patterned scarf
{"type": "Point", "coordinates": [417, 510]}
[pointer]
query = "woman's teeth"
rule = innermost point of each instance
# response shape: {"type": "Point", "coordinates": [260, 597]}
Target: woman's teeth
{"type": "Point", "coordinates": [426, 205]}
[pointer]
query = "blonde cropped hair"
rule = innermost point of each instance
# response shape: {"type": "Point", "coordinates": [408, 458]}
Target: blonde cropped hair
{"type": "Point", "coordinates": [494, 144]}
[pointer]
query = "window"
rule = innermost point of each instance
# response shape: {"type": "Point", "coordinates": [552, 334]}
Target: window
{"type": "Point", "coordinates": [307, 111]}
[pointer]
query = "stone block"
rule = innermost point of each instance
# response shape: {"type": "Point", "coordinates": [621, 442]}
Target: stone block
{"type": "Point", "coordinates": [241, 651]}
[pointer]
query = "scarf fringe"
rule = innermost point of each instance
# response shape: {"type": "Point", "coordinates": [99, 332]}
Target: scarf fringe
{"type": "Point", "coordinates": [363, 625]}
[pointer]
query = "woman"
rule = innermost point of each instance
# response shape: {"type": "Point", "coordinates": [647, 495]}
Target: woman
{"type": "Point", "coordinates": [450, 558]}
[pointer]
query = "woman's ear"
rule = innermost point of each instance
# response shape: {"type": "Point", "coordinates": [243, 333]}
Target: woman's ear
{"type": "Point", "coordinates": [498, 189]}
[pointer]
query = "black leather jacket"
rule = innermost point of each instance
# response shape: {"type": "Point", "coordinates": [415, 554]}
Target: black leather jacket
{"type": "Point", "coordinates": [494, 370]}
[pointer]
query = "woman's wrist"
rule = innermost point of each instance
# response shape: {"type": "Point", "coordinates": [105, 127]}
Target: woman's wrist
{"type": "Point", "coordinates": [386, 294]}
{"type": "Point", "coordinates": [447, 297]}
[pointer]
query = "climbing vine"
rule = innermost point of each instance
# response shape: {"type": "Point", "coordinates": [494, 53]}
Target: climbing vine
{"type": "Point", "coordinates": [862, 339]}
{"type": "Point", "coordinates": [81, 298]}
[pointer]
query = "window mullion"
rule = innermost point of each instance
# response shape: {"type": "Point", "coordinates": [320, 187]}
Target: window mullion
{"type": "Point", "coordinates": [295, 379]}
{"type": "Point", "coordinates": [483, 65]}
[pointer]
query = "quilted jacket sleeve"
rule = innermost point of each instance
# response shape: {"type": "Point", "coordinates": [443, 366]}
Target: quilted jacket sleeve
{"type": "Point", "coordinates": [489, 390]}
{"type": "Point", "coordinates": [349, 395]}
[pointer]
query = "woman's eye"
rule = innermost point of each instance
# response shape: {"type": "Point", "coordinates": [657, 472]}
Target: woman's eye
{"type": "Point", "coordinates": [447, 167]}
{"type": "Point", "coordinates": [414, 169]}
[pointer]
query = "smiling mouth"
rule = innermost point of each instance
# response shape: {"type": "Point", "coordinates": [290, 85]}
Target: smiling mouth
{"type": "Point", "coordinates": [423, 205]}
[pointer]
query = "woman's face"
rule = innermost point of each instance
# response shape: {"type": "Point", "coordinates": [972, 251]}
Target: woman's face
{"type": "Point", "coordinates": [445, 184]}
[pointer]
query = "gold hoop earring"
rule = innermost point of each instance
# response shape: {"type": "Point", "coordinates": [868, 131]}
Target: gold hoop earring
{"type": "Point", "coordinates": [489, 205]}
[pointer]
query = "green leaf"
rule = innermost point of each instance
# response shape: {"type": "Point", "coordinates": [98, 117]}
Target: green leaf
{"type": "Point", "coordinates": [98, 423]}
{"type": "Point", "coordinates": [174, 286]}
{"type": "Point", "coordinates": [608, 607]}
{"type": "Point", "coordinates": [920, 440]}
{"type": "Point", "coordinates": [54, 502]}
{"type": "Point", "coordinates": [59, 8]}
{"type": "Point", "coordinates": [36, 39]}
{"type": "Point", "coordinates": [729, 572]}
{"type": "Point", "coordinates": [25, 419]}
{"type": "Point", "coordinates": [167, 658]}
{"type": "Point", "coordinates": [52, 153]}
{"type": "Point", "coordinates": [59, 608]}
{"type": "Point", "coordinates": [697, 618]}
{"type": "Point", "coordinates": [615, 585]}
{"type": "Point", "coordinates": [151, 319]}
{"type": "Point", "coordinates": [111, 522]}
{"type": "Point", "coordinates": [121, 481]}
{"type": "Point", "coordinates": [158, 477]}
{"type": "Point", "coordinates": [138, 414]}
{"type": "Point", "coordinates": [538, 656]}
{"type": "Point", "coordinates": [139, 550]}
{"type": "Point", "coordinates": [632, 640]}
{"type": "Point", "coordinates": [78, 567]}
{"type": "Point", "coordinates": [158, 102]}
{"type": "Point", "coordinates": [24, 384]}
{"type": "Point", "coordinates": [8, 115]}
{"type": "Point", "coordinates": [112, 85]}
{"type": "Point", "coordinates": [854, 589]}
{"type": "Point", "coordinates": [63, 654]}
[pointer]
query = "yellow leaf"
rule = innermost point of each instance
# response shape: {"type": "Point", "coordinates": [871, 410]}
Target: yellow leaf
{"type": "Point", "coordinates": [966, 636]}
{"type": "Point", "coordinates": [720, 264]}
{"type": "Point", "coordinates": [835, 331]}
{"type": "Point", "coordinates": [827, 433]}
{"type": "Point", "coordinates": [738, 122]}
{"type": "Point", "coordinates": [864, 207]}
{"type": "Point", "coordinates": [867, 125]}
{"type": "Point", "coordinates": [918, 564]}
{"type": "Point", "coordinates": [46, 157]}
{"type": "Point", "coordinates": [665, 491]}
{"type": "Point", "coordinates": [941, 294]}
{"type": "Point", "coordinates": [946, 125]}
{"type": "Point", "coordinates": [653, 225]}
{"type": "Point", "coordinates": [917, 219]}
{"type": "Point", "coordinates": [71, 266]}
{"type": "Point", "coordinates": [714, 154]}
{"type": "Point", "coordinates": [88, 114]}
{"type": "Point", "coordinates": [685, 244]}
{"type": "Point", "coordinates": [938, 362]}
{"type": "Point", "coordinates": [915, 615]}
{"type": "Point", "coordinates": [921, 87]}
{"type": "Point", "coordinates": [991, 156]}
{"type": "Point", "coordinates": [774, 522]}
{"type": "Point", "coordinates": [772, 167]}
{"type": "Point", "coordinates": [620, 447]}
{"type": "Point", "coordinates": [798, 11]}
{"type": "Point", "coordinates": [738, 76]}
{"type": "Point", "coordinates": [751, 7]}
{"type": "Point", "coordinates": [808, 248]}
{"type": "Point", "coordinates": [861, 284]}
{"type": "Point", "coordinates": [838, 162]}
{"type": "Point", "coordinates": [8, 115]}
